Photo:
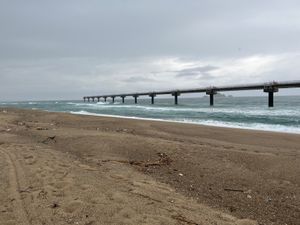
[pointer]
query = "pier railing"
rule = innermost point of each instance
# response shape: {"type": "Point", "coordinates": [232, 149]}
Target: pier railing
{"type": "Point", "coordinates": [270, 88]}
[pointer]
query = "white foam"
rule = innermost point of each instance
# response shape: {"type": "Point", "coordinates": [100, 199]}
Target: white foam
{"type": "Point", "coordinates": [254, 111]}
{"type": "Point", "coordinates": [252, 126]}
{"type": "Point", "coordinates": [9, 103]}
{"type": "Point", "coordinates": [31, 103]}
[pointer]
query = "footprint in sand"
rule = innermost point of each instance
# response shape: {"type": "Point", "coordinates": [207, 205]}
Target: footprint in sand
{"type": "Point", "coordinates": [245, 222]}
{"type": "Point", "coordinates": [73, 206]}
{"type": "Point", "coordinates": [64, 165]}
{"type": "Point", "coordinates": [127, 213]}
{"type": "Point", "coordinates": [30, 159]}
{"type": "Point", "coordinates": [41, 194]}
{"type": "Point", "coordinates": [52, 191]}
{"type": "Point", "coordinates": [61, 184]}
{"type": "Point", "coordinates": [86, 167]}
{"type": "Point", "coordinates": [86, 187]}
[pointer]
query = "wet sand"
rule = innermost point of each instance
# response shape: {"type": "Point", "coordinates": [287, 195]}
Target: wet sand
{"type": "Point", "coordinates": [60, 168]}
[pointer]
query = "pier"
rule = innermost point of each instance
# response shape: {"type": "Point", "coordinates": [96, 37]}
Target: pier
{"type": "Point", "coordinates": [270, 88]}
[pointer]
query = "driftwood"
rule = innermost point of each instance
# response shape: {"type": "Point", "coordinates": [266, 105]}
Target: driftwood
{"type": "Point", "coordinates": [235, 190]}
{"type": "Point", "coordinates": [162, 161]}
{"type": "Point", "coordinates": [49, 139]}
{"type": "Point", "coordinates": [181, 218]}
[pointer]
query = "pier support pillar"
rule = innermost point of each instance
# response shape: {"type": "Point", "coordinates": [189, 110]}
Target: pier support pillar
{"type": "Point", "coordinates": [176, 94]}
{"type": "Point", "coordinates": [123, 99]}
{"type": "Point", "coordinates": [211, 93]}
{"type": "Point", "coordinates": [98, 99]}
{"type": "Point", "coordinates": [113, 99]}
{"type": "Point", "coordinates": [105, 99]}
{"type": "Point", "coordinates": [211, 99]}
{"type": "Point", "coordinates": [93, 99]}
{"type": "Point", "coordinates": [152, 98]}
{"type": "Point", "coordinates": [84, 99]}
{"type": "Point", "coordinates": [88, 99]}
{"type": "Point", "coordinates": [135, 98]}
{"type": "Point", "coordinates": [271, 99]}
{"type": "Point", "coordinates": [270, 90]}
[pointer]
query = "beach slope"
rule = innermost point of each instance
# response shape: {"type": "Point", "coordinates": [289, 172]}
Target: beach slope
{"type": "Point", "coordinates": [60, 168]}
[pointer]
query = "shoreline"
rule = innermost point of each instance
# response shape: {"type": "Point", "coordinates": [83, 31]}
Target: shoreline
{"type": "Point", "coordinates": [201, 127]}
{"type": "Point", "coordinates": [161, 120]}
{"type": "Point", "coordinates": [282, 120]}
{"type": "Point", "coordinates": [177, 121]}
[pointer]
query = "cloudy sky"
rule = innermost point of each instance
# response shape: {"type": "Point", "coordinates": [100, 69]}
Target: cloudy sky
{"type": "Point", "coordinates": [65, 49]}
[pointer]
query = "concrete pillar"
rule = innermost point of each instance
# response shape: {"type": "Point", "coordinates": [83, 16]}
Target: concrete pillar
{"type": "Point", "coordinates": [93, 99]}
{"type": "Point", "coordinates": [105, 99]}
{"type": "Point", "coordinates": [211, 93]}
{"type": "Point", "coordinates": [270, 90]}
{"type": "Point", "coordinates": [176, 94]}
{"type": "Point", "coordinates": [84, 99]}
{"type": "Point", "coordinates": [211, 99]}
{"type": "Point", "coordinates": [98, 99]}
{"type": "Point", "coordinates": [88, 99]}
{"type": "Point", "coordinates": [135, 99]}
{"type": "Point", "coordinates": [113, 99]}
{"type": "Point", "coordinates": [123, 99]}
{"type": "Point", "coordinates": [152, 98]}
{"type": "Point", "coordinates": [271, 99]}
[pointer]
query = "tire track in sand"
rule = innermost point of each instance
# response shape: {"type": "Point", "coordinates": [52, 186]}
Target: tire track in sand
{"type": "Point", "coordinates": [18, 204]}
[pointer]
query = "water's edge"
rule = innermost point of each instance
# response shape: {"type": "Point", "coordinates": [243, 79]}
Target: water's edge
{"type": "Point", "coordinates": [181, 122]}
{"type": "Point", "coordinates": [239, 112]}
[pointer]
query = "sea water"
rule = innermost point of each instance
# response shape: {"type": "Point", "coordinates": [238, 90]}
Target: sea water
{"type": "Point", "coordinates": [237, 112]}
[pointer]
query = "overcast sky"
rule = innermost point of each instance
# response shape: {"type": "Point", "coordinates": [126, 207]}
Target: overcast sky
{"type": "Point", "coordinates": [65, 49]}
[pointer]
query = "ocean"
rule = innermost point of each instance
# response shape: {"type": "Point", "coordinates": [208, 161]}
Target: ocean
{"type": "Point", "coordinates": [237, 112]}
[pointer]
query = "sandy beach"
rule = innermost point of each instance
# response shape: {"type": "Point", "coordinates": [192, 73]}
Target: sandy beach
{"type": "Point", "coordinates": [59, 168]}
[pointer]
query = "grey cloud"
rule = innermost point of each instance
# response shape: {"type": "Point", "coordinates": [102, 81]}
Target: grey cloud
{"type": "Point", "coordinates": [138, 79]}
{"type": "Point", "coordinates": [67, 49]}
{"type": "Point", "coordinates": [132, 28]}
{"type": "Point", "coordinates": [200, 71]}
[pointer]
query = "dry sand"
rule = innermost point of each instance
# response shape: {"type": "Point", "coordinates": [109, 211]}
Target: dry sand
{"type": "Point", "coordinates": [66, 169]}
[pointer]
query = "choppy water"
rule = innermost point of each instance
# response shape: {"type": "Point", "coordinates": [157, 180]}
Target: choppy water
{"type": "Point", "coordinates": [240, 112]}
